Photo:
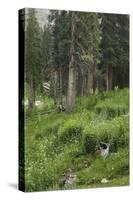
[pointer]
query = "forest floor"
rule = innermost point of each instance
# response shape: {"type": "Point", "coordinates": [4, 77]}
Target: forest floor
{"type": "Point", "coordinates": [60, 148]}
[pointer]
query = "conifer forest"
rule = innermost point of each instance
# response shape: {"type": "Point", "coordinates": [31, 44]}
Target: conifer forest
{"type": "Point", "coordinates": [76, 99]}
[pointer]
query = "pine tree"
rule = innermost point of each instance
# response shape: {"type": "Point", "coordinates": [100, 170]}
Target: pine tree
{"type": "Point", "coordinates": [60, 34]}
{"type": "Point", "coordinates": [45, 55]}
{"type": "Point", "coordinates": [115, 49]}
{"type": "Point", "coordinates": [88, 40]}
{"type": "Point", "coordinates": [121, 71]}
{"type": "Point", "coordinates": [71, 92]}
{"type": "Point", "coordinates": [32, 55]}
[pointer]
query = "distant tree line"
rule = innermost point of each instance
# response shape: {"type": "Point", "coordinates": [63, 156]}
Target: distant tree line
{"type": "Point", "coordinates": [76, 53]}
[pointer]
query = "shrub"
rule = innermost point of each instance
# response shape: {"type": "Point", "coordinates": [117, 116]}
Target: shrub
{"type": "Point", "coordinates": [71, 131]}
{"type": "Point", "coordinates": [89, 143]}
{"type": "Point", "coordinates": [86, 102]}
{"type": "Point", "coordinates": [48, 129]}
{"type": "Point", "coordinates": [114, 132]}
{"type": "Point", "coordinates": [121, 138]}
{"type": "Point", "coordinates": [92, 101]}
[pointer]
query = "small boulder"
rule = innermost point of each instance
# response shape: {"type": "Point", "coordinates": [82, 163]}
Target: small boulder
{"type": "Point", "coordinates": [104, 180]}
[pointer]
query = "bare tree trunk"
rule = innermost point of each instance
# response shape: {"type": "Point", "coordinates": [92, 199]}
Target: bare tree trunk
{"type": "Point", "coordinates": [81, 83]}
{"type": "Point", "coordinates": [71, 92]}
{"type": "Point", "coordinates": [85, 84]}
{"type": "Point", "coordinates": [71, 86]}
{"type": "Point", "coordinates": [90, 79]}
{"type": "Point", "coordinates": [60, 85]}
{"type": "Point", "coordinates": [109, 77]}
{"type": "Point", "coordinates": [32, 95]}
{"type": "Point", "coordinates": [55, 87]}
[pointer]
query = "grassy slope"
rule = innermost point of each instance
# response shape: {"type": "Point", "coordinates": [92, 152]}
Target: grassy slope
{"type": "Point", "coordinates": [55, 142]}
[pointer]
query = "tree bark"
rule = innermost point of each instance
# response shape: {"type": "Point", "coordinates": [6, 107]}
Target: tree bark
{"type": "Point", "coordinates": [55, 87]}
{"type": "Point", "coordinates": [71, 92]}
{"type": "Point", "coordinates": [71, 87]}
{"type": "Point", "coordinates": [90, 79]}
{"type": "Point", "coordinates": [60, 85]}
{"type": "Point", "coordinates": [109, 77]}
{"type": "Point", "coordinates": [80, 82]}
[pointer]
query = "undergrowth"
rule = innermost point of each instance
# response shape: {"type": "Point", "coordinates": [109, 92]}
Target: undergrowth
{"type": "Point", "coordinates": [55, 142]}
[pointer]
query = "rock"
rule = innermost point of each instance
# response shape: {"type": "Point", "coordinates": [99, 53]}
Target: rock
{"type": "Point", "coordinates": [104, 148]}
{"type": "Point", "coordinates": [70, 180]}
{"type": "Point", "coordinates": [104, 180]}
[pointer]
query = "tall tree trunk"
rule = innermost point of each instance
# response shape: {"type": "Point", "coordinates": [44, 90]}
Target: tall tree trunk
{"type": "Point", "coordinates": [71, 86]}
{"type": "Point", "coordinates": [81, 83]}
{"type": "Point", "coordinates": [32, 94]}
{"type": "Point", "coordinates": [55, 87]}
{"type": "Point", "coordinates": [90, 79]}
{"type": "Point", "coordinates": [71, 92]}
{"type": "Point", "coordinates": [60, 85]}
{"type": "Point", "coordinates": [109, 77]}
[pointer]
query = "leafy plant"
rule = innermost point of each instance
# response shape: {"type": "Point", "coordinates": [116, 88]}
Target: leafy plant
{"type": "Point", "coordinates": [71, 131]}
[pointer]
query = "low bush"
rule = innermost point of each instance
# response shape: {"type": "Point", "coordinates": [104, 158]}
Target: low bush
{"type": "Point", "coordinates": [115, 132]}
{"type": "Point", "coordinates": [90, 142]}
{"type": "Point", "coordinates": [86, 102]}
{"type": "Point", "coordinates": [92, 101]}
{"type": "Point", "coordinates": [71, 131]}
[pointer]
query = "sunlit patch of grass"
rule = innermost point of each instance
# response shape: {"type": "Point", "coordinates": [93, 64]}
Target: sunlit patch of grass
{"type": "Point", "coordinates": [115, 104]}
{"type": "Point", "coordinates": [116, 165]}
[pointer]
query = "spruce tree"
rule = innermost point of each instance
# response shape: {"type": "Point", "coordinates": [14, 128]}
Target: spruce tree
{"type": "Point", "coordinates": [32, 55]}
{"type": "Point", "coordinates": [115, 49]}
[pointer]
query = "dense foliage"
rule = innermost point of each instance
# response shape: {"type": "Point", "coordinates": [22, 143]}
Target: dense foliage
{"type": "Point", "coordinates": [75, 53]}
{"type": "Point", "coordinates": [56, 142]}
{"type": "Point", "coordinates": [76, 96]}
